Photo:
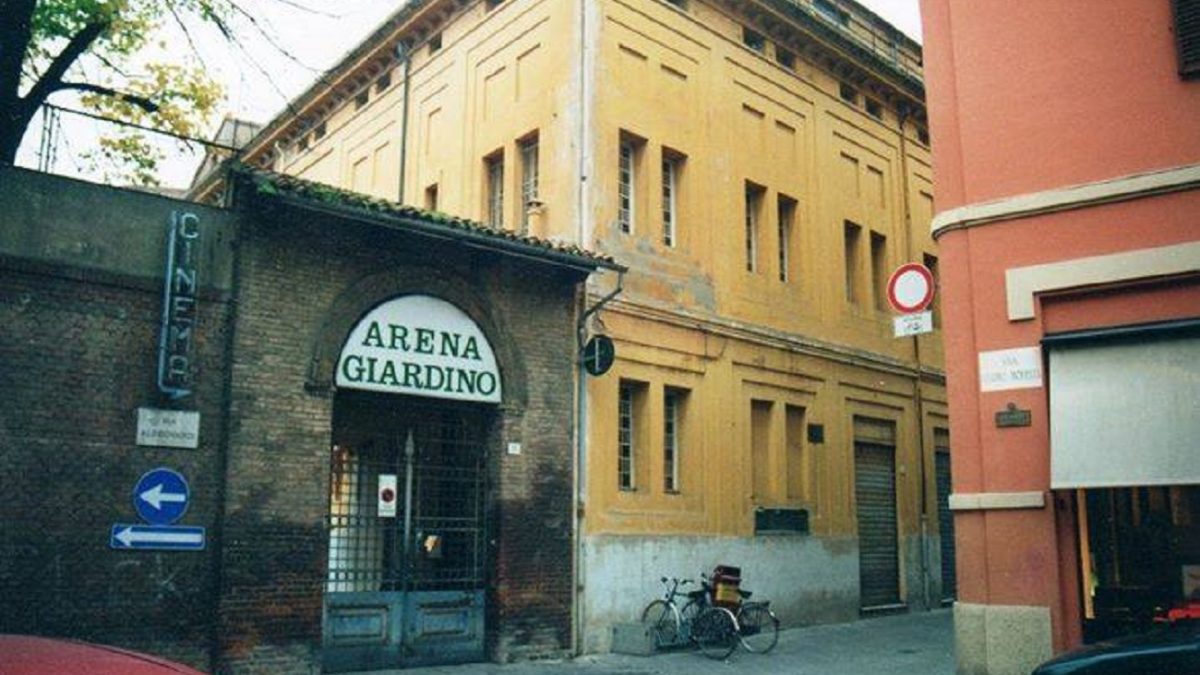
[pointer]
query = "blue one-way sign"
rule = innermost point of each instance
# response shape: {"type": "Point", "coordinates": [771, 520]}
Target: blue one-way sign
{"type": "Point", "coordinates": [161, 496]}
{"type": "Point", "coordinates": [163, 538]}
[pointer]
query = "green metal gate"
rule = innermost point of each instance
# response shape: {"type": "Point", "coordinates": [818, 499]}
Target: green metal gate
{"type": "Point", "coordinates": [406, 571]}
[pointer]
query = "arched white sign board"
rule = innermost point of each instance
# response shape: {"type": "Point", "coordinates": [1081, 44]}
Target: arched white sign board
{"type": "Point", "coordinates": [421, 346]}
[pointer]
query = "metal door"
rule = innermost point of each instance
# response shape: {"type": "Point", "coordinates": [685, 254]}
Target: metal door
{"type": "Point", "coordinates": [407, 589]}
{"type": "Point", "coordinates": [945, 517]}
{"type": "Point", "coordinates": [875, 491]}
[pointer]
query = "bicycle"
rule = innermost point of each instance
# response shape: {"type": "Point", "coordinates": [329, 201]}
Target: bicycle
{"type": "Point", "coordinates": [758, 627]}
{"type": "Point", "coordinates": [665, 619]}
{"type": "Point", "coordinates": [712, 628]}
{"type": "Point", "coordinates": [754, 625]}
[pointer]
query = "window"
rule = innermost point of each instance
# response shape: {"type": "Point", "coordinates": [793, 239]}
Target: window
{"type": "Point", "coordinates": [785, 58]}
{"type": "Point", "coordinates": [361, 99]}
{"type": "Point", "coordinates": [797, 469]}
{"type": "Point", "coordinates": [849, 94]}
{"type": "Point", "coordinates": [529, 179]}
{"type": "Point", "coordinates": [383, 82]}
{"type": "Point", "coordinates": [494, 165]}
{"type": "Point", "coordinates": [672, 163]}
{"type": "Point", "coordinates": [493, 4]}
{"type": "Point", "coordinates": [435, 43]}
{"type": "Point", "coordinates": [760, 450]}
{"type": "Point", "coordinates": [431, 197]}
{"type": "Point", "coordinates": [681, 4]}
{"type": "Point", "coordinates": [630, 402]}
{"type": "Point", "coordinates": [673, 407]}
{"type": "Point", "coordinates": [832, 12]}
{"type": "Point", "coordinates": [303, 143]}
{"type": "Point", "coordinates": [1187, 37]}
{"type": "Point", "coordinates": [923, 136]}
{"type": "Point", "coordinates": [879, 270]}
{"type": "Point", "coordinates": [754, 195]}
{"type": "Point", "coordinates": [875, 109]}
{"type": "Point", "coordinates": [626, 181]}
{"type": "Point", "coordinates": [786, 211]}
{"type": "Point", "coordinates": [319, 132]}
{"type": "Point", "coordinates": [853, 236]}
{"type": "Point", "coordinates": [754, 40]}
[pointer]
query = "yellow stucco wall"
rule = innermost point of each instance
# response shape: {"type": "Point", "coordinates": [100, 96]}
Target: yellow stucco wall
{"type": "Point", "coordinates": [580, 75]}
{"type": "Point", "coordinates": [693, 317]}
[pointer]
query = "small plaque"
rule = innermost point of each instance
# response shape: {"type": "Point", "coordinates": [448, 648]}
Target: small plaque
{"type": "Point", "coordinates": [913, 324]}
{"type": "Point", "coordinates": [387, 496]}
{"type": "Point", "coordinates": [1019, 368]}
{"type": "Point", "coordinates": [1013, 417]}
{"type": "Point", "coordinates": [168, 428]}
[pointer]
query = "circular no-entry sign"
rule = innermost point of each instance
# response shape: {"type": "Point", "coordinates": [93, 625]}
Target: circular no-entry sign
{"type": "Point", "coordinates": [910, 289]}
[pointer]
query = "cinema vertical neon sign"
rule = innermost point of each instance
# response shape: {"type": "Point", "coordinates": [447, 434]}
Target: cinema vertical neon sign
{"type": "Point", "coordinates": [180, 286]}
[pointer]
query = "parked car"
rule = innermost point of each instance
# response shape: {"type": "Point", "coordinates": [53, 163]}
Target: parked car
{"type": "Point", "coordinates": [29, 655]}
{"type": "Point", "coordinates": [1171, 649]}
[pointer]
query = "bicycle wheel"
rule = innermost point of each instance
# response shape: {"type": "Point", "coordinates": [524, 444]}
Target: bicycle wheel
{"type": "Point", "coordinates": [687, 618]}
{"type": "Point", "coordinates": [758, 627]}
{"type": "Point", "coordinates": [662, 619]}
{"type": "Point", "coordinates": [715, 631]}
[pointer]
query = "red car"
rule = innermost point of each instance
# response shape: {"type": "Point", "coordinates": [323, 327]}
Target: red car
{"type": "Point", "coordinates": [28, 655]}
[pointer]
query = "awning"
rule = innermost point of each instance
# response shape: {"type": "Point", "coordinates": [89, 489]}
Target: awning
{"type": "Point", "coordinates": [1124, 409]}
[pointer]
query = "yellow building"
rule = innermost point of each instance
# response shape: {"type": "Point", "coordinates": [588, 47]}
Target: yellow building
{"type": "Point", "coordinates": [761, 166]}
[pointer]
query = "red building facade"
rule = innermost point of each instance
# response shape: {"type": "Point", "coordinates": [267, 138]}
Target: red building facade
{"type": "Point", "coordinates": [1067, 154]}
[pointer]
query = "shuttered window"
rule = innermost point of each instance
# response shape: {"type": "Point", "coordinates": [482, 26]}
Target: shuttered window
{"type": "Point", "coordinates": [1187, 37]}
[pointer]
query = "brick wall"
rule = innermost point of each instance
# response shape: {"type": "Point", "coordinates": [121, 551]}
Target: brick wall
{"type": "Point", "coordinates": [80, 305]}
{"type": "Point", "coordinates": [304, 279]}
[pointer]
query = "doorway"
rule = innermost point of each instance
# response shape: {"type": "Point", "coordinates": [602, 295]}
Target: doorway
{"type": "Point", "coordinates": [406, 574]}
{"type": "Point", "coordinates": [875, 497]}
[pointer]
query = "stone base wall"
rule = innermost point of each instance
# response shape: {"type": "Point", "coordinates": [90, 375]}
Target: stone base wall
{"type": "Point", "coordinates": [808, 580]}
{"type": "Point", "coordinates": [1000, 639]}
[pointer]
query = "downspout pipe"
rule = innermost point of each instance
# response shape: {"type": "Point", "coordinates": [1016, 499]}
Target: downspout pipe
{"type": "Point", "coordinates": [405, 54]}
{"type": "Point", "coordinates": [580, 493]}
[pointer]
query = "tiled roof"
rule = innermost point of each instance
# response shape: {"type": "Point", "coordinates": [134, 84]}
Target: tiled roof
{"type": "Point", "coordinates": [274, 184]}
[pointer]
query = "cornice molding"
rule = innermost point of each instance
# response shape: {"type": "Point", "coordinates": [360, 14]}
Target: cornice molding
{"type": "Point", "coordinates": [1124, 188]}
{"type": "Point", "coordinates": [1022, 284]}
{"type": "Point", "coordinates": [778, 339]}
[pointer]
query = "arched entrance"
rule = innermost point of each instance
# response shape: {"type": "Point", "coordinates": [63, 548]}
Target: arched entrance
{"type": "Point", "coordinates": [407, 493]}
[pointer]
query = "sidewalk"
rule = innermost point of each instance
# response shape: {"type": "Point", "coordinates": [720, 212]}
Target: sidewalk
{"type": "Point", "coordinates": [919, 643]}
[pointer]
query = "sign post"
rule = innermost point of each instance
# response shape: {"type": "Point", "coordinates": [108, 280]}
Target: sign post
{"type": "Point", "coordinates": [160, 498]}
{"type": "Point", "coordinates": [909, 292]}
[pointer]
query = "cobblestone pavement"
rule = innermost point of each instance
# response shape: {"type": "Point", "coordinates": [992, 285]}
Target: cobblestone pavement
{"type": "Point", "coordinates": [920, 643]}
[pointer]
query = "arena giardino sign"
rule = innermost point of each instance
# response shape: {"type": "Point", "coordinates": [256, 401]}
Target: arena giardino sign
{"type": "Point", "coordinates": [423, 346]}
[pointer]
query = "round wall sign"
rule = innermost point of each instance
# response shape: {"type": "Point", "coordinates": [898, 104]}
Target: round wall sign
{"type": "Point", "coordinates": [598, 355]}
{"type": "Point", "coordinates": [910, 289]}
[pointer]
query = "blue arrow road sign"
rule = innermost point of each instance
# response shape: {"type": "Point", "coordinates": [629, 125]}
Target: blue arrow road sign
{"type": "Point", "coordinates": [157, 537]}
{"type": "Point", "coordinates": [161, 496]}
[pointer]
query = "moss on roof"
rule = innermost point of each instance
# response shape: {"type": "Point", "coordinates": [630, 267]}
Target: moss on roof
{"type": "Point", "coordinates": [274, 184]}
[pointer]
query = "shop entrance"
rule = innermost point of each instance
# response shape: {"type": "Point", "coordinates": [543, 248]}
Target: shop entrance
{"type": "Point", "coordinates": [1140, 555]}
{"type": "Point", "coordinates": [407, 532]}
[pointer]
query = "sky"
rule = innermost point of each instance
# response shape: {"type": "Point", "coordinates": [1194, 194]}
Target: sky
{"type": "Point", "coordinates": [307, 44]}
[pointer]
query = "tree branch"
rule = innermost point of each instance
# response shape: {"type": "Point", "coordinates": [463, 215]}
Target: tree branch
{"type": "Point", "coordinates": [52, 77]}
{"type": "Point", "coordinates": [269, 37]}
{"type": "Point", "coordinates": [140, 101]}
